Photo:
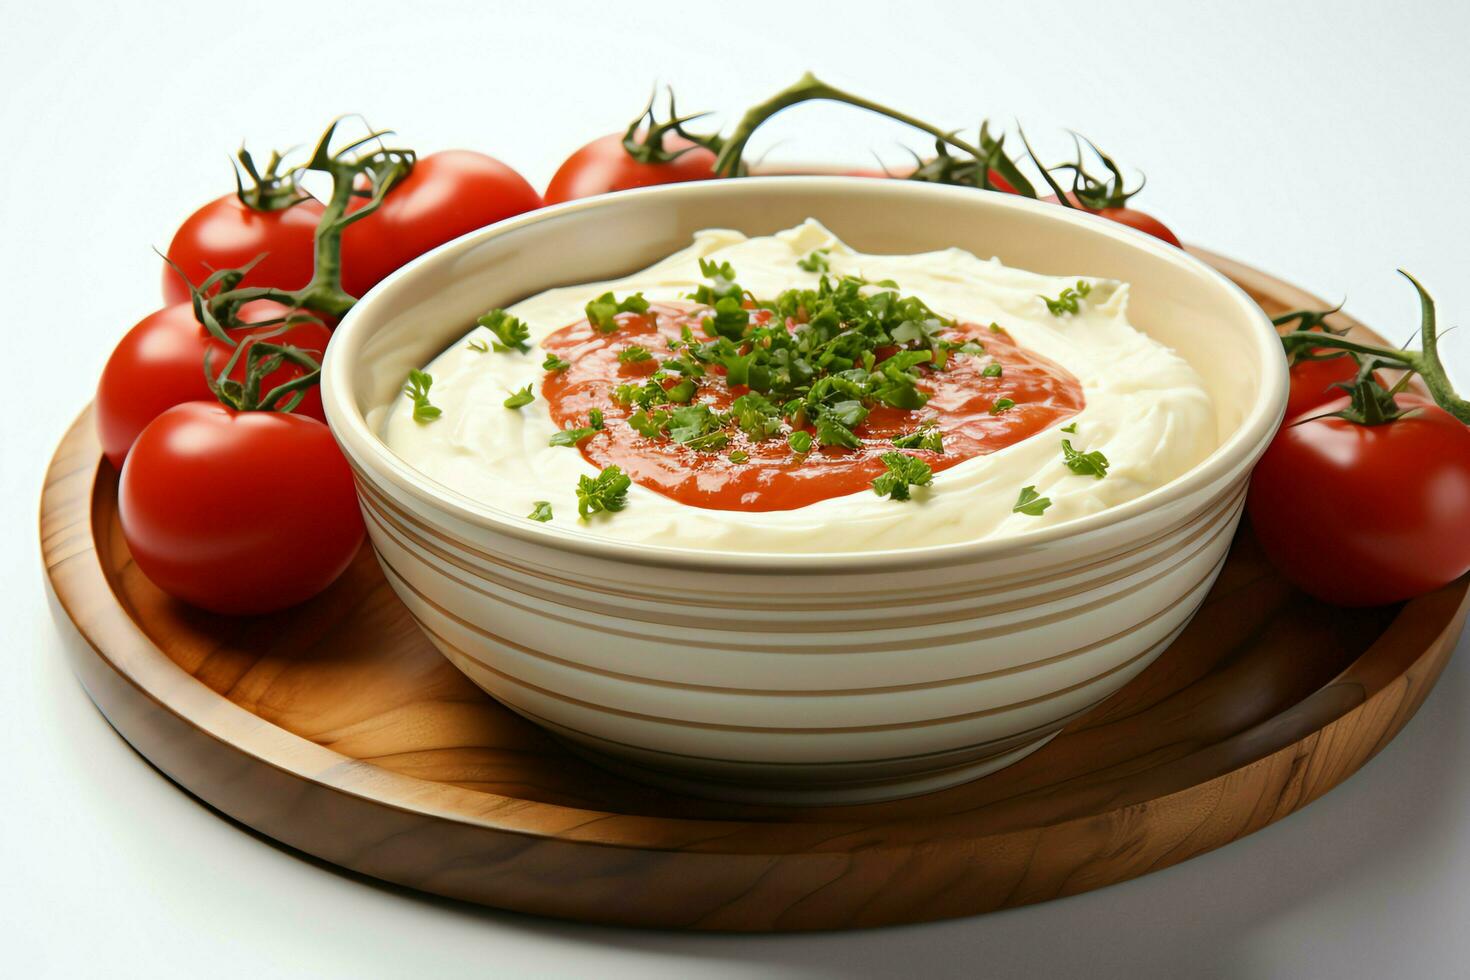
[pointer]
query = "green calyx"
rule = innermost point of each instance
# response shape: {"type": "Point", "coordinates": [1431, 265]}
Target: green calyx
{"type": "Point", "coordinates": [1370, 402]}
{"type": "Point", "coordinates": [262, 358]}
{"type": "Point", "coordinates": [972, 171]}
{"type": "Point", "coordinates": [977, 158]}
{"type": "Point", "coordinates": [268, 190]}
{"type": "Point", "coordinates": [644, 138]}
{"type": "Point", "coordinates": [1301, 320]}
{"type": "Point", "coordinates": [380, 168]}
{"type": "Point", "coordinates": [1089, 192]}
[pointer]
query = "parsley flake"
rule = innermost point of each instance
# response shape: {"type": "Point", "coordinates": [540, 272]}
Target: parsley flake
{"type": "Point", "coordinates": [608, 491]}
{"type": "Point", "coordinates": [1068, 299]}
{"type": "Point", "coordinates": [739, 456]}
{"type": "Point", "coordinates": [800, 442]}
{"type": "Point", "coordinates": [681, 392]}
{"type": "Point", "coordinates": [574, 437]}
{"type": "Point", "coordinates": [904, 471]}
{"type": "Point", "coordinates": [478, 346]}
{"type": "Point", "coordinates": [602, 312]}
{"type": "Point", "coordinates": [757, 417]}
{"type": "Point", "coordinates": [926, 436]}
{"type": "Point", "coordinates": [521, 398]}
{"type": "Point", "coordinates": [992, 370]}
{"type": "Point", "coordinates": [1031, 503]}
{"type": "Point", "coordinates": [511, 333]}
{"type": "Point", "coordinates": [540, 511]}
{"type": "Point", "coordinates": [698, 427]}
{"type": "Point", "coordinates": [417, 388]}
{"type": "Point", "coordinates": [634, 355]}
{"type": "Point", "coordinates": [721, 285]}
{"type": "Point", "coordinates": [554, 364]}
{"type": "Point", "coordinates": [1070, 427]}
{"type": "Point", "coordinates": [832, 431]}
{"type": "Point", "coordinates": [1084, 464]}
{"type": "Point", "coordinates": [649, 423]}
{"type": "Point", "coordinates": [1001, 405]}
{"type": "Point", "coordinates": [816, 261]}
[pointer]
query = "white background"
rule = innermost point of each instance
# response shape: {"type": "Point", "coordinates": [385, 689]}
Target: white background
{"type": "Point", "coordinates": [1322, 141]}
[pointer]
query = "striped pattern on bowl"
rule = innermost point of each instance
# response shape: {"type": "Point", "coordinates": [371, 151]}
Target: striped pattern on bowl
{"type": "Point", "coordinates": [799, 679]}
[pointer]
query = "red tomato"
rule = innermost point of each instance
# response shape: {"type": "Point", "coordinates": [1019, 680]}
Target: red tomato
{"type": "Point", "coordinates": [228, 234]}
{"type": "Point", "coordinates": [1364, 515]}
{"type": "Point", "coordinates": [238, 512]}
{"type": "Point", "coordinates": [160, 363]}
{"type": "Point", "coordinates": [605, 165]}
{"type": "Point", "coordinates": [448, 194]}
{"type": "Point", "coordinates": [1313, 382]}
{"type": "Point", "coordinates": [1132, 217]}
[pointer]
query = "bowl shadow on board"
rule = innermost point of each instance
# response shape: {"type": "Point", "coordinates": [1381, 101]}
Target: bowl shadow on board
{"type": "Point", "coordinates": [1207, 906]}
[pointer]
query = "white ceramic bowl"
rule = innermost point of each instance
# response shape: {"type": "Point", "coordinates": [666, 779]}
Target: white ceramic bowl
{"type": "Point", "coordinates": [819, 678]}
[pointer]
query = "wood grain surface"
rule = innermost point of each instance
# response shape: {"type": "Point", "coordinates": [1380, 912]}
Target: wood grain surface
{"type": "Point", "coordinates": [337, 729]}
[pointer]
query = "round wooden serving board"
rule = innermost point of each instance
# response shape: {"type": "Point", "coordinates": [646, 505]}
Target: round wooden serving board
{"type": "Point", "coordinates": [337, 729]}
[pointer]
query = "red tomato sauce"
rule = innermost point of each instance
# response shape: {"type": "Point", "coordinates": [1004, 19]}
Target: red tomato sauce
{"type": "Point", "coordinates": [774, 477]}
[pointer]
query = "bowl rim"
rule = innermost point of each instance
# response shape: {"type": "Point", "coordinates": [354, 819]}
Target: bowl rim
{"type": "Point", "coordinates": [377, 460]}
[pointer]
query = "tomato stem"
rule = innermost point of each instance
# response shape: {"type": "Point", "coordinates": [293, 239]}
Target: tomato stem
{"type": "Point", "coordinates": [1091, 192]}
{"type": "Point", "coordinates": [268, 191]}
{"type": "Point", "coordinates": [645, 143]}
{"type": "Point", "coordinates": [383, 168]}
{"type": "Point", "coordinates": [263, 359]}
{"type": "Point", "coordinates": [809, 88]}
{"type": "Point", "coordinates": [1426, 362]}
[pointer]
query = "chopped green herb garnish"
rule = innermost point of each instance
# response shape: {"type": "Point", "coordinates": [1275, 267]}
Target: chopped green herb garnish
{"type": "Point", "coordinates": [645, 396]}
{"type": "Point", "coordinates": [721, 285]}
{"type": "Point", "coordinates": [683, 365]}
{"type": "Point", "coordinates": [602, 312]}
{"type": "Point", "coordinates": [1001, 405]}
{"type": "Point", "coordinates": [992, 370]}
{"type": "Point", "coordinates": [926, 436]}
{"type": "Point", "coordinates": [478, 346]}
{"type": "Point", "coordinates": [511, 333]}
{"type": "Point", "coordinates": [1031, 503]}
{"type": "Point", "coordinates": [540, 511]}
{"type": "Point", "coordinates": [571, 437]}
{"type": "Point", "coordinates": [1070, 427]}
{"type": "Point", "coordinates": [811, 362]}
{"type": "Point", "coordinates": [904, 471]}
{"type": "Point", "coordinates": [739, 456]}
{"type": "Point", "coordinates": [757, 416]}
{"type": "Point", "coordinates": [832, 431]}
{"type": "Point", "coordinates": [730, 321]}
{"type": "Point", "coordinates": [1067, 300]}
{"type": "Point", "coordinates": [634, 355]}
{"type": "Point", "coordinates": [698, 427]}
{"type": "Point", "coordinates": [943, 348]}
{"type": "Point", "coordinates": [554, 363]}
{"type": "Point", "coordinates": [521, 398]}
{"type": "Point", "coordinates": [816, 261]}
{"type": "Point", "coordinates": [417, 389]}
{"type": "Point", "coordinates": [997, 328]}
{"type": "Point", "coordinates": [608, 491]}
{"type": "Point", "coordinates": [1084, 464]}
{"type": "Point", "coordinates": [681, 392]}
{"type": "Point", "coordinates": [574, 437]}
{"type": "Point", "coordinates": [649, 423]}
